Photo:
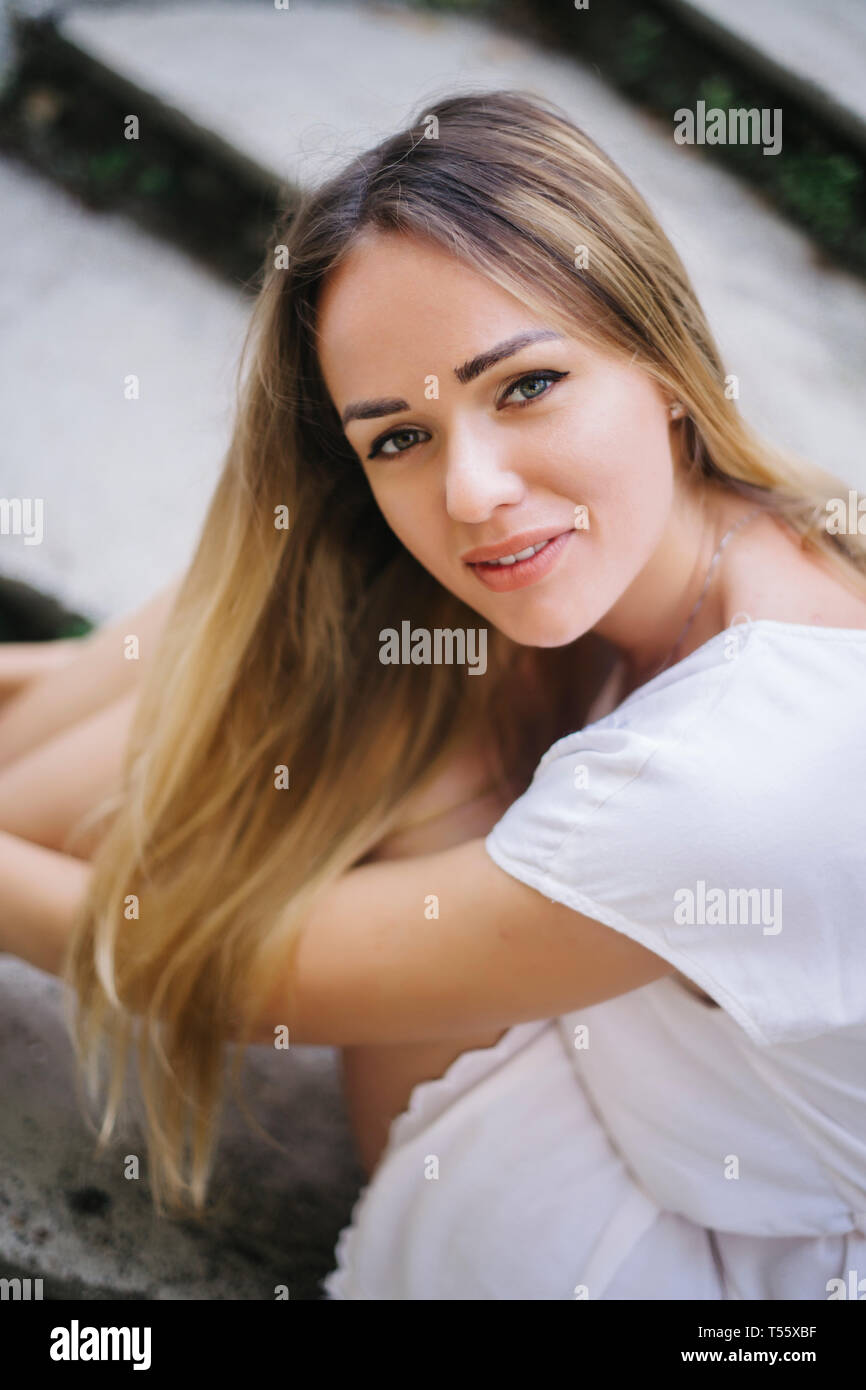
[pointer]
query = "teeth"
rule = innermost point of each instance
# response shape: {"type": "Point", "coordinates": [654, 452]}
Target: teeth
{"type": "Point", "coordinates": [521, 555]}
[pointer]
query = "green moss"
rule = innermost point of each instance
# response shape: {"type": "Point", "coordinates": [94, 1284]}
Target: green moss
{"type": "Point", "coordinates": [154, 180]}
{"type": "Point", "coordinates": [642, 46]}
{"type": "Point", "coordinates": [109, 166]}
{"type": "Point", "coordinates": [822, 189]}
{"type": "Point", "coordinates": [717, 91]}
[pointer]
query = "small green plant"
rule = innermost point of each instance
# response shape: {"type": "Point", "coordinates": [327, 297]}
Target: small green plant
{"type": "Point", "coordinates": [642, 48]}
{"type": "Point", "coordinates": [109, 166]}
{"type": "Point", "coordinates": [822, 189]}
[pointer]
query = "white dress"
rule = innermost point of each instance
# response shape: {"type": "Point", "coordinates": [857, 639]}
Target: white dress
{"type": "Point", "coordinates": [654, 1146]}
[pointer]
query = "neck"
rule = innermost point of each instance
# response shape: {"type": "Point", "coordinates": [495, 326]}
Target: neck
{"type": "Point", "coordinates": [648, 619]}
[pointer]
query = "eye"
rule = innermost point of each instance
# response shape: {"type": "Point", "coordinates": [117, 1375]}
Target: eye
{"type": "Point", "coordinates": [379, 444]}
{"type": "Point", "coordinates": [532, 379]}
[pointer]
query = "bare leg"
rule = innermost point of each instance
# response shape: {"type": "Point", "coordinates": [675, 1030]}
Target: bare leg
{"type": "Point", "coordinates": [378, 1081]}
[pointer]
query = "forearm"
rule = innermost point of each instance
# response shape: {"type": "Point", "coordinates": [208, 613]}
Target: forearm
{"type": "Point", "coordinates": [40, 891]}
{"type": "Point", "coordinates": [95, 674]}
{"type": "Point", "coordinates": [24, 662]}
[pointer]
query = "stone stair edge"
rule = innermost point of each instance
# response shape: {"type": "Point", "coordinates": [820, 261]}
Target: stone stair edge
{"type": "Point", "coordinates": [847, 122]}
{"type": "Point", "coordinates": [744, 50]}
{"type": "Point", "coordinates": [52, 31]}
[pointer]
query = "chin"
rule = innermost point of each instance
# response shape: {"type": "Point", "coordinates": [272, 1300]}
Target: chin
{"type": "Point", "coordinates": [544, 634]}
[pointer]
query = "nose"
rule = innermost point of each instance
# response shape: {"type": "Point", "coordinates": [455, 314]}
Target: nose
{"type": "Point", "coordinates": [479, 477]}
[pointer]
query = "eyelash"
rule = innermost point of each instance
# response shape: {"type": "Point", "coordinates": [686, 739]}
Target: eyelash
{"type": "Point", "coordinates": [553, 377]}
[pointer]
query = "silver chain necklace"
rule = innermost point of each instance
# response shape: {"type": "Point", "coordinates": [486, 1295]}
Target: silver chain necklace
{"type": "Point", "coordinates": [712, 565]}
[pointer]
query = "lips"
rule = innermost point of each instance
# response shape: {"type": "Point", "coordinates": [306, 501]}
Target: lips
{"type": "Point", "coordinates": [521, 573]}
{"type": "Point", "coordinates": [510, 546]}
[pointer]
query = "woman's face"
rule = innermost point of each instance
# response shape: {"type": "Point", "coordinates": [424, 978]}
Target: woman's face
{"type": "Point", "coordinates": [477, 448]}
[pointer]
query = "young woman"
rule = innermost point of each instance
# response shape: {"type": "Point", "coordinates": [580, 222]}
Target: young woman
{"type": "Point", "coordinates": [608, 1044]}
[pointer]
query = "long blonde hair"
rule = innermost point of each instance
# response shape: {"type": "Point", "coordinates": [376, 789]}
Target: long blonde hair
{"type": "Point", "coordinates": [269, 659]}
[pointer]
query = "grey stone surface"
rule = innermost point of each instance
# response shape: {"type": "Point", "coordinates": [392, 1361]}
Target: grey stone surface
{"type": "Point", "coordinates": [74, 1220]}
{"type": "Point", "coordinates": [8, 52]}
{"type": "Point", "coordinates": [85, 302]}
{"type": "Point", "coordinates": [819, 48]}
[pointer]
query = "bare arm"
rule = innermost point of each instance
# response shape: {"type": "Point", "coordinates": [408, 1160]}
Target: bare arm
{"type": "Point", "coordinates": [21, 663]}
{"type": "Point", "coordinates": [84, 675]}
{"type": "Point", "coordinates": [40, 891]}
{"type": "Point", "coordinates": [433, 946]}
{"type": "Point", "coordinates": [42, 887]}
{"type": "Point", "coordinates": [374, 967]}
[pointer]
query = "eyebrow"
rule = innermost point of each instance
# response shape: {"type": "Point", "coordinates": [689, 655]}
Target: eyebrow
{"type": "Point", "coordinates": [371, 410]}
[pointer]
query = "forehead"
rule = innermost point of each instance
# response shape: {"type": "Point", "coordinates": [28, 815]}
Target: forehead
{"type": "Point", "coordinates": [399, 306]}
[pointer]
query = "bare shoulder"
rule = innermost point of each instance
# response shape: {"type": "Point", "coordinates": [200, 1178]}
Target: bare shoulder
{"type": "Point", "coordinates": [458, 800]}
{"type": "Point", "coordinates": [464, 773]}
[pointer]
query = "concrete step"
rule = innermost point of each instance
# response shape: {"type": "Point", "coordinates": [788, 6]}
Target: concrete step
{"type": "Point", "coordinates": [85, 302]}
{"type": "Point", "coordinates": [85, 1223]}
{"type": "Point", "coordinates": [817, 52]}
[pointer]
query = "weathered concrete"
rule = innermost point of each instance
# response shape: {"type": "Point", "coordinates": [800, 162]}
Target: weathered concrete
{"type": "Point", "coordinates": [75, 1221]}
{"type": "Point", "coordinates": [86, 302]}
{"type": "Point", "coordinates": [817, 51]}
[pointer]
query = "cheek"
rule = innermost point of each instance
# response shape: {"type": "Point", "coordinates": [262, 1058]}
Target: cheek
{"type": "Point", "coordinates": [612, 436]}
{"type": "Point", "coordinates": [615, 458]}
{"type": "Point", "coordinates": [410, 516]}
{"type": "Point", "coordinates": [423, 527]}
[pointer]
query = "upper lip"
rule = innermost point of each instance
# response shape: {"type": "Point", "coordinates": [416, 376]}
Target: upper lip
{"type": "Point", "coordinates": [511, 545]}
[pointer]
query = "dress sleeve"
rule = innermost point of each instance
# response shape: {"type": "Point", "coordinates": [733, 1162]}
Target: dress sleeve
{"type": "Point", "coordinates": [708, 858]}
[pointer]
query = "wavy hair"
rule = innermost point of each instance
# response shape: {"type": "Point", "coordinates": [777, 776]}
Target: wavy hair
{"type": "Point", "coordinates": [269, 658]}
